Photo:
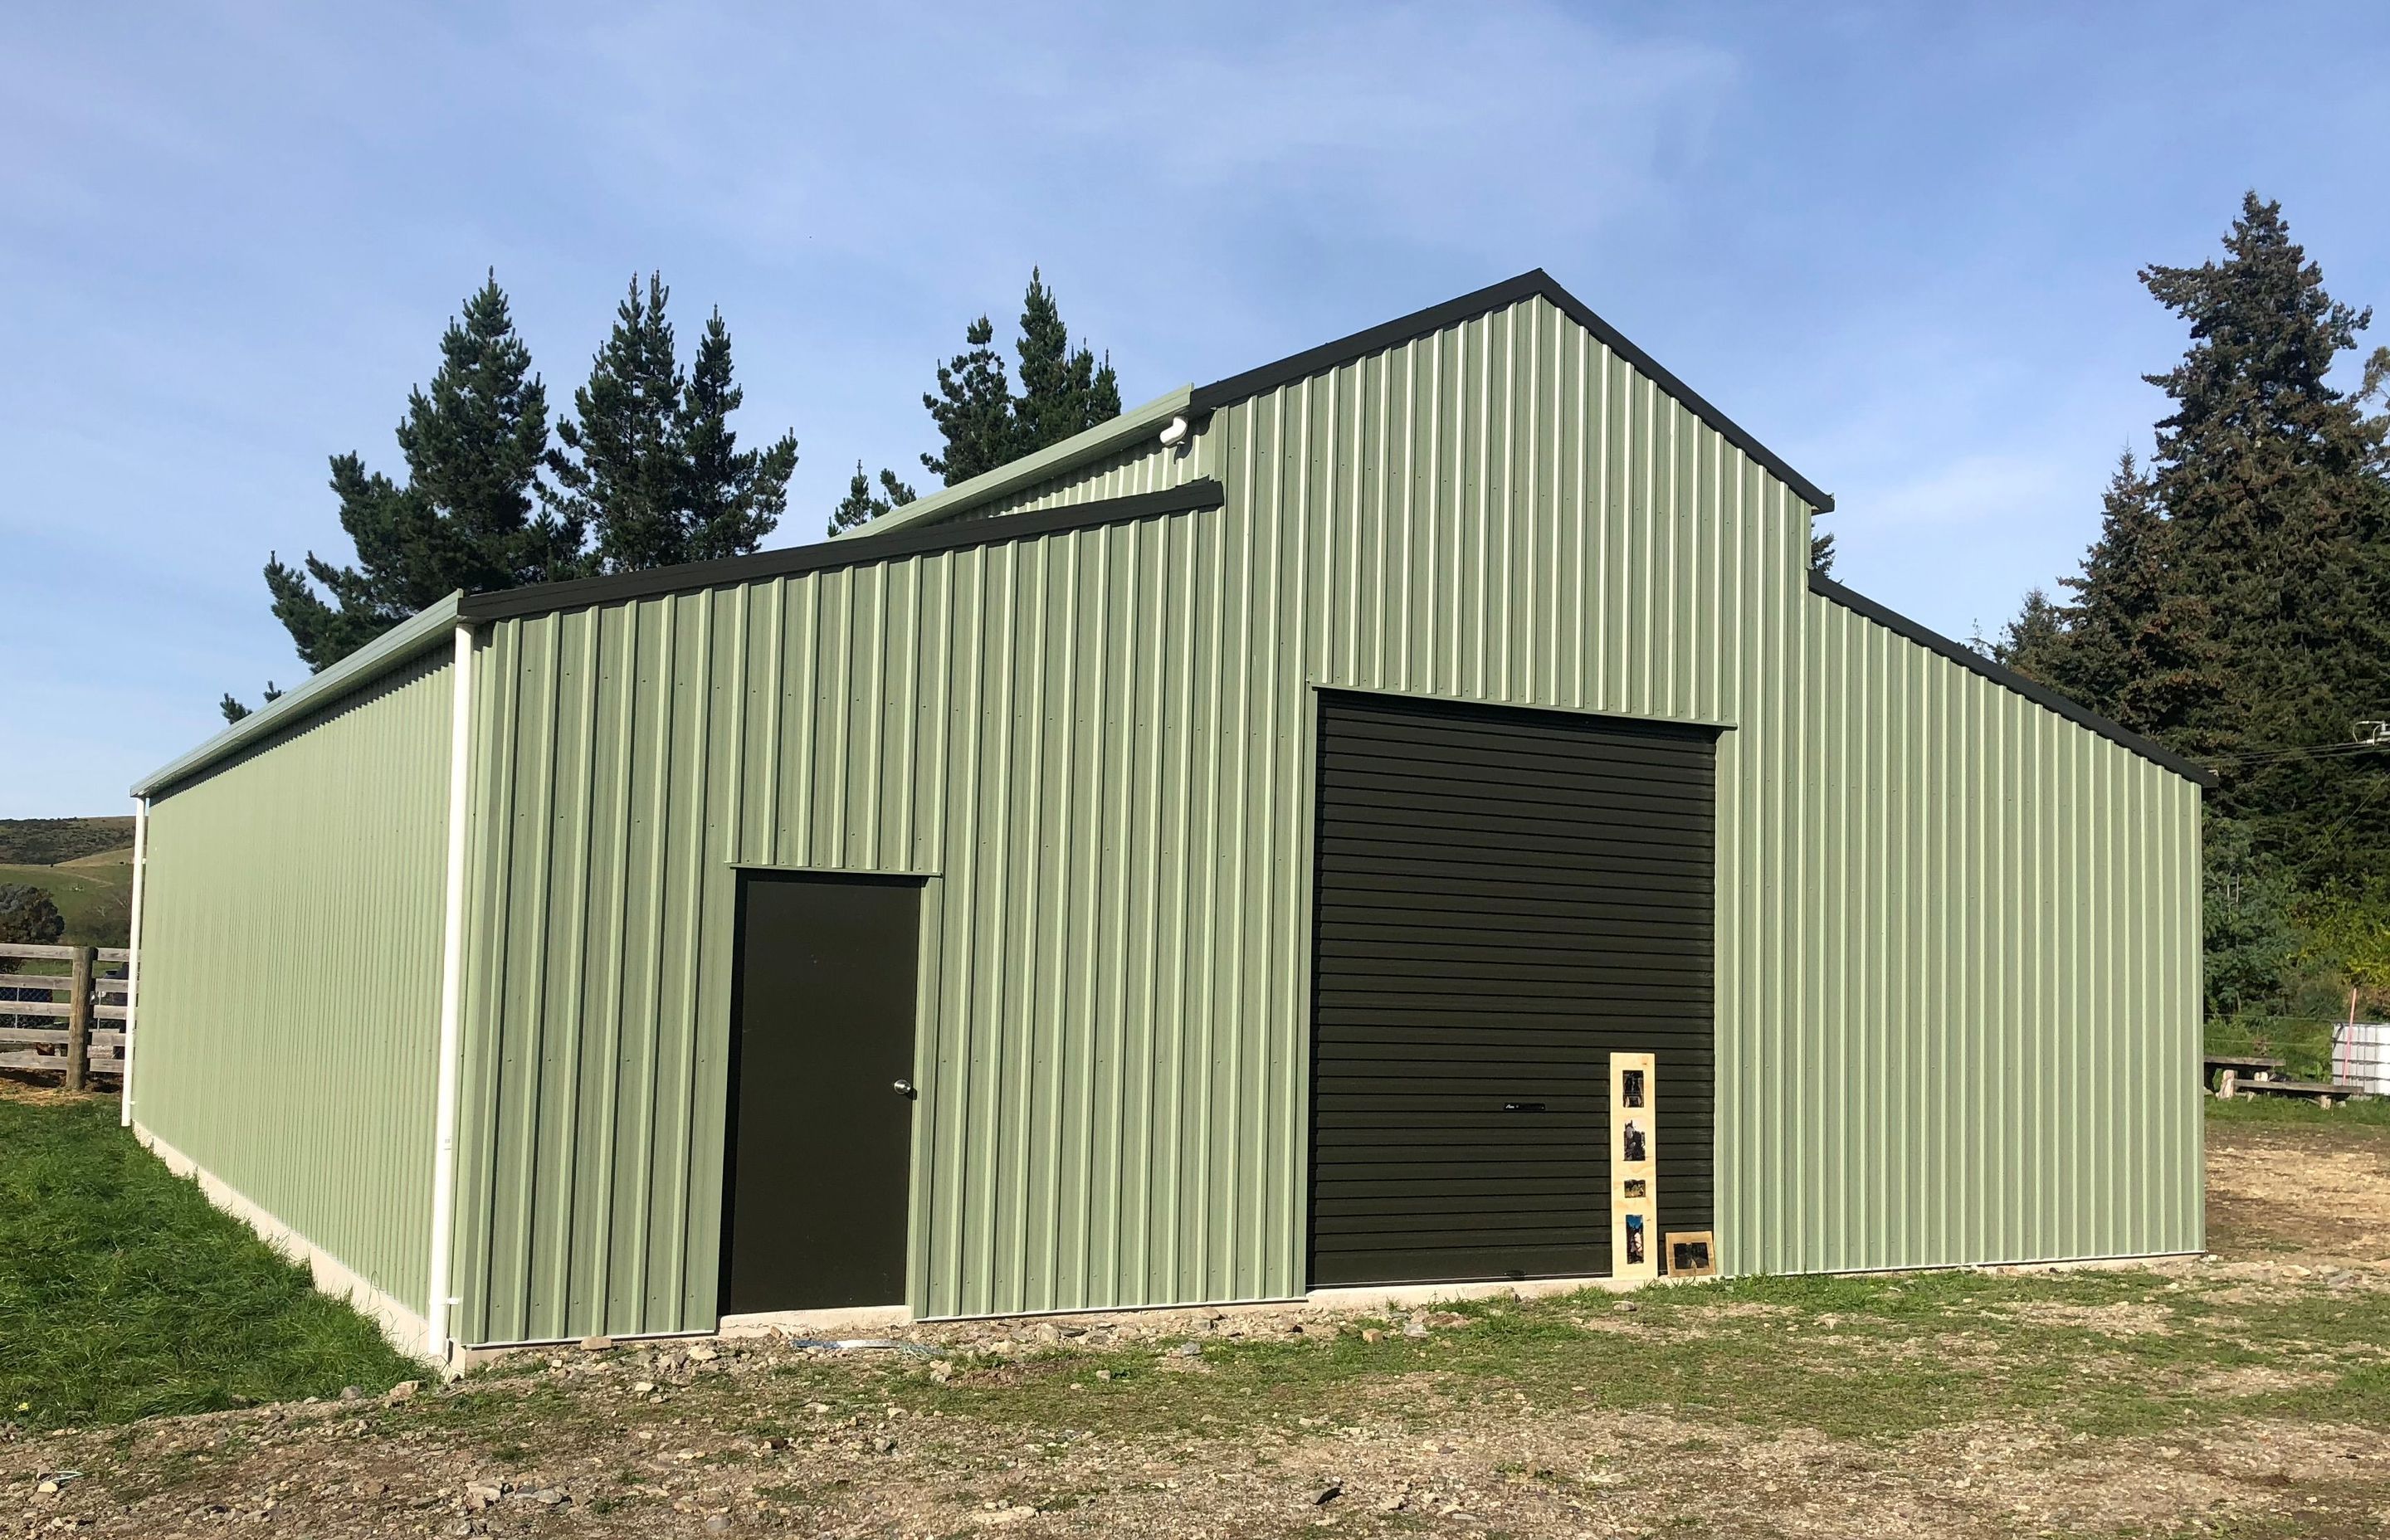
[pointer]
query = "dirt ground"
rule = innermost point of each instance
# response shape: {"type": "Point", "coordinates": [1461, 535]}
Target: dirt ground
{"type": "Point", "coordinates": [2244, 1394]}
{"type": "Point", "coordinates": [2308, 1191]}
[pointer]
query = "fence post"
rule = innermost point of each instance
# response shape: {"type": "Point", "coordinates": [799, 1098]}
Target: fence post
{"type": "Point", "coordinates": [79, 1020]}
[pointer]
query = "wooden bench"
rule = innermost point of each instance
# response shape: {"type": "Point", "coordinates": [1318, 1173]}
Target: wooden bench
{"type": "Point", "coordinates": [2241, 1067]}
{"type": "Point", "coordinates": [2322, 1094]}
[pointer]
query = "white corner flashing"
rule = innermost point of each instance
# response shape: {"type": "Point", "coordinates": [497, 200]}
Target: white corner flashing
{"type": "Point", "coordinates": [452, 975]}
{"type": "Point", "coordinates": [132, 961]}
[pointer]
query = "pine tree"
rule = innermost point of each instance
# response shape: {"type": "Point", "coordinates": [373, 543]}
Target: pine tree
{"type": "Point", "coordinates": [1821, 554]}
{"type": "Point", "coordinates": [617, 465]}
{"type": "Point", "coordinates": [649, 462]}
{"type": "Point", "coordinates": [2276, 501]}
{"type": "Point", "coordinates": [973, 408]}
{"type": "Point", "coordinates": [861, 504]}
{"type": "Point", "coordinates": [2026, 642]}
{"type": "Point", "coordinates": [472, 443]}
{"type": "Point", "coordinates": [1064, 390]}
{"type": "Point", "coordinates": [2236, 606]}
{"type": "Point", "coordinates": [234, 709]}
{"type": "Point", "coordinates": [735, 497]}
{"type": "Point", "coordinates": [2134, 643]}
{"type": "Point", "coordinates": [1062, 393]}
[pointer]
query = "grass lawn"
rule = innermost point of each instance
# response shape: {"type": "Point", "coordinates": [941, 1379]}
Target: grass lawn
{"type": "Point", "coordinates": [1844, 1357]}
{"type": "Point", "coordinates": [123, 1293]}
{"type": "Point", "coordinates": [2370, 1115]}
{"type": "Point", "coordinates": [2245, 1393]}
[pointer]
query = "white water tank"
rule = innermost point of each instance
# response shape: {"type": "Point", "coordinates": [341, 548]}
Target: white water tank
{"type": "Point", "coordinates": [2360, 1054]}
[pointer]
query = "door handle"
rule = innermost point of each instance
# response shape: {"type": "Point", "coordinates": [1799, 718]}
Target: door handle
{"type": "Point", "coordinates": [904, 1088]}
{"type": "Point", "coordinates": [1522, 1107]}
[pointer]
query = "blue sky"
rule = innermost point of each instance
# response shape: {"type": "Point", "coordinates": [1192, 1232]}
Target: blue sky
{"type": "Point", "coordinates": [1897, 244]}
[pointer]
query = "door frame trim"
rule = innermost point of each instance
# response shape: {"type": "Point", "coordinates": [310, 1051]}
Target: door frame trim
{"type": "Point", "coordinates": [929, 888]}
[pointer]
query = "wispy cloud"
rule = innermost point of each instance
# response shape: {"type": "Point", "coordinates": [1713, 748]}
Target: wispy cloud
{"type": "Point", "coordinates": [1896, 243]}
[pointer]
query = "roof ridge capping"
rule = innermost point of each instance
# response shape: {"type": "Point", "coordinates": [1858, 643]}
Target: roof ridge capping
{"type": "Point", "coordinates": [2008, 678]}
{"type": "Point", "coordinates": [1532, 284]}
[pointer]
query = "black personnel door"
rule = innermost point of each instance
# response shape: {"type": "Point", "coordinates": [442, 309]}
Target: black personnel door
{"type": "Point", "coordinates": [821, 1099]}
{"type": "Point", "coordinates": [1503, 898]}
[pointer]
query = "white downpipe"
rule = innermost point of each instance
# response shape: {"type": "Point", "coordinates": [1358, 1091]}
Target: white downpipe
{"type": "Point", "coordinates": [132, 964]}
{"type": "Point", "coordinates": [452, 976]}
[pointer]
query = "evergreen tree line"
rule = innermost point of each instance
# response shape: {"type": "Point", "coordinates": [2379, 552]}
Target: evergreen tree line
{"type": "Point", "coordinates": [2236, 608]}
{"type": "Point", "coordinates": [645, 472]}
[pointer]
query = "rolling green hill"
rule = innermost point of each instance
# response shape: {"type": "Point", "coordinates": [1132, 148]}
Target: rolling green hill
{"type": "Point", "coordinates": [52, 841]}
{"type": "Point", "coordinates": [86, 865]}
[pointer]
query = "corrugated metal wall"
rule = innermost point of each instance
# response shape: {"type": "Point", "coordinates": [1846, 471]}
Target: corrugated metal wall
{"type": "Point", "coordinates": [1098, 743]}
{"type": "Point", "coordinates": [1958, 997]}
{"type": "Point", "coordinates": [290, 972]}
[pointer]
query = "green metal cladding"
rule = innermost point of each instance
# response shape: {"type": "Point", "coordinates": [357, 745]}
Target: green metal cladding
{"type": "Point", "coordinates": [1958, 972]}
{"type": "Point", "coordinates": [1957, 935]}
{"type": "Point", "coordinates": [1957, 969]}
{"type": "Point", "coordinates": [290, 970]}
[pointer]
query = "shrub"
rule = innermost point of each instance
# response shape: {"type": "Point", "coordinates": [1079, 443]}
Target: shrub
{"type": "Point", "coordinates": [28, 914]}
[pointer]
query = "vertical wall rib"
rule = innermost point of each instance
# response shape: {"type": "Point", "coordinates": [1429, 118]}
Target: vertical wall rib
{"type": "Point", "coordinates": [1937, 901]}
{"type": "Point", "coordinates": [290, 971]}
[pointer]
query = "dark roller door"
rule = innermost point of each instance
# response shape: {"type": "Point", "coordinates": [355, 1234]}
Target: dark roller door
{"type": "Point", "coordinates": [821, 1106]}
{"type": "Point", "coordinates": [1503, 898]}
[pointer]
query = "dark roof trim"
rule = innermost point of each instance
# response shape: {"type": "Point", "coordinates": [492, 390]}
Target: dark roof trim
{"type": "Point", "coordinates": [2040, 695]}
{"type": "Point", "coordinates": [831, 554]}
{"type": "Point", "coordinates": [1500, 296]}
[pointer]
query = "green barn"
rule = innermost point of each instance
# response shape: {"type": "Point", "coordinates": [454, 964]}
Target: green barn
{"type": "Point", "coordinates": [1407, 815]}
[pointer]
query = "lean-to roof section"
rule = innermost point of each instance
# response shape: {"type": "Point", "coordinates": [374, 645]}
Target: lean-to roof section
{"type": "Point", "coordinates": [420, 634]}
{"type": "Point", "coordinates": [861, 550]}
{"type": "Point", "coordinates": [2007, 678]}
{"type": "Point", "coordinates": [1137, 424]}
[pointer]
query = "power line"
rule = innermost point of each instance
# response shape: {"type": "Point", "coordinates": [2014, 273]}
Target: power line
{"type": "Point", "coordinates": [2278, 756]}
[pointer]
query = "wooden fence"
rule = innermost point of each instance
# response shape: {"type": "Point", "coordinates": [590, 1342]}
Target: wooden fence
{"type": "Point", "coordinates": [69, 1024]}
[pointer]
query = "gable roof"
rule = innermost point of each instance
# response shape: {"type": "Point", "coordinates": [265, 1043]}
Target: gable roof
{"type": "Point", "coordinates": [1202, 401]}
{"type": "Point", "coordinates": [917, 520]}
{"type": "Point", "coordinates": [943, 508]}
{"type": "Point", "coordinates": [927, 525]}
{"type": "Point", "coordinates": [1532, 284]}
